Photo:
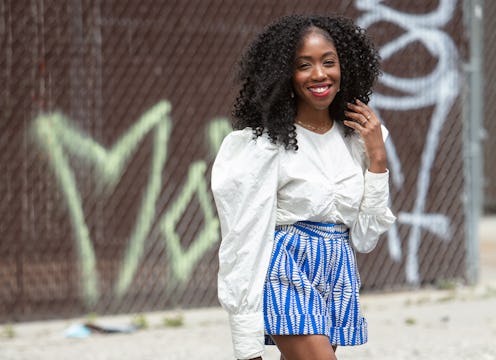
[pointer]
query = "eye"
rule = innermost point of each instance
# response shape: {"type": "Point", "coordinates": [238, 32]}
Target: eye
{"type": "Point", "coordinates": [303, 66]}
{"type": "Point", "coordinates": [329, 63]}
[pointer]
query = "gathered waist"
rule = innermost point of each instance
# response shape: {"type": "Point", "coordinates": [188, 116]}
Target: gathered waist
{"type": "Point", "coordinates": [312, 228]}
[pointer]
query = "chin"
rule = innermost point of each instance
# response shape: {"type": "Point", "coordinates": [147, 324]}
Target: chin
{"type": "Point", "coordinates": [322, 106]}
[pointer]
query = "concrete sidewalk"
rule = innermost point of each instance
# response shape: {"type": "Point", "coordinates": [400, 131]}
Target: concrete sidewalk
{"type": "Point", "coordinates": [457, 323]}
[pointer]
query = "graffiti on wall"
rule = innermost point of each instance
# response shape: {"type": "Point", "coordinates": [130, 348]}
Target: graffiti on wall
{"type": "Point", "coordinates": [59, 139]}
{"type": "Point", "coordinates": [438, 89]}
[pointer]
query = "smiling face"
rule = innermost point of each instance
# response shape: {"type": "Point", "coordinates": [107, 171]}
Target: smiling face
{"type": "Point", "coordinates": [317, 74]}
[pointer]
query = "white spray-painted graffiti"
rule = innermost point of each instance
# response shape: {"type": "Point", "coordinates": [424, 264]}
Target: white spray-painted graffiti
{"type": "Point", "coordinates": [439, 89]}
{"type": "Point", "coordinates": [59, 138]}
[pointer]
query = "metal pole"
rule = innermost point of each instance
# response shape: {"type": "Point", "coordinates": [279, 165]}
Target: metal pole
{"type": "Point", "coordinates": [473, 132]}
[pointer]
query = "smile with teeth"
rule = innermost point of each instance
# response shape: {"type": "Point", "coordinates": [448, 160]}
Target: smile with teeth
{"type": "Point", "coordinates": [318, 90]}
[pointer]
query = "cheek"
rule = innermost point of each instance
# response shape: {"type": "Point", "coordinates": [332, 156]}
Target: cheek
{"type": "Point", "coordinates": [296, 81]}
{"type": "Point", "coordinates": [299, 82]}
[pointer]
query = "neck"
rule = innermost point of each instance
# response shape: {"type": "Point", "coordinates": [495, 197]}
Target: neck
{"type": "Point", "coordinates": [315, 118]}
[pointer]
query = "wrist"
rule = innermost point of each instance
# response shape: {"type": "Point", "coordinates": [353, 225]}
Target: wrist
{"type": "Point", "coordinates": [378, 166]}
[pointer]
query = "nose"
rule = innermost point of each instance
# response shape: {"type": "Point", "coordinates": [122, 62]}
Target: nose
{"type": "Point", "coordinates": [318, 72]}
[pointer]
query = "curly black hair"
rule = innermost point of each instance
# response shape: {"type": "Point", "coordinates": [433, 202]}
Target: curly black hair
{"type": "Point", "coordinates": [264, 102]}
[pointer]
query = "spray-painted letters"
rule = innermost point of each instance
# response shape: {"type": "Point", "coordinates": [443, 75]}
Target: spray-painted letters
{"type": "Point", "coordinates": [439, 89]}
{"type": "Point", "coordinates": [59, 138]}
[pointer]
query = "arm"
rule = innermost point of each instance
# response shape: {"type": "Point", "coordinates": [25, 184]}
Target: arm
{"type": "Point", "coordinates": [374, 216]}
{"type": "Point", "coordinates": [244, 184]}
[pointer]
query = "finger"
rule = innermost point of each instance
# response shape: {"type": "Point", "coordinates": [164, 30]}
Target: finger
{"type": "Point", "coordinates": [358, 104]}
{"type": "Point", "coordinates": [353, 124]}
{"type": "Point", "coordinates": [361, 108]}
{"type": "Point", "coordinates": [367, 111]}
{"type": "Point", "coordinates": [362, 104]}
{"type": "Point", "coordinates": [357, 109]}
{"type": "Point", "coordinates": [357, 117]}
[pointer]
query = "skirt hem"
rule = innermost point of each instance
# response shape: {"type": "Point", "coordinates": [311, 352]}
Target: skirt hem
{"type": "Point", "coordinates": [311, 324]}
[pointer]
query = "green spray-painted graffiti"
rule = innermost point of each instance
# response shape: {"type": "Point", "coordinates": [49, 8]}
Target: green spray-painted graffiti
{"type": "Point", "coordinates": [58, 138]}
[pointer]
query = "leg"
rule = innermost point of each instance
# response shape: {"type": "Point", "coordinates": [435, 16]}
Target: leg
{"type": "Point", "coordinates": [304, 347]}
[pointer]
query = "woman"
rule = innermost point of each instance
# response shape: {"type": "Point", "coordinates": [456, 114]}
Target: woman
{"type": "Point", "coordinates": [300, 182]}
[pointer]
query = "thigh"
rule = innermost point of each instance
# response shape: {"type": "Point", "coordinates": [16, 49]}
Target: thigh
{"type": "Point", "coordinates": [304, 347]}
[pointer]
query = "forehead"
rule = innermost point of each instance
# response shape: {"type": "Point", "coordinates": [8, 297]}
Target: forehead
{"type": "Point", "coordinates": [316, 39]}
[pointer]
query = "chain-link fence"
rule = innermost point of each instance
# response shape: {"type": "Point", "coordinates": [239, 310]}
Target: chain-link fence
{"type": "Point", "coordinates": [489, 106]}
{"type": "Point", "coordinates": [111, 115]}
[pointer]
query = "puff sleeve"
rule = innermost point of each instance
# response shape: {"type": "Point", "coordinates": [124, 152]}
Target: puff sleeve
{"type": "Point", "coordinates": [374, 216]}
{"type": "Point", "coordinates": [244, 185]}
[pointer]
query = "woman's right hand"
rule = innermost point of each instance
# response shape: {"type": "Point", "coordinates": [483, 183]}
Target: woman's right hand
{"type": "Point", "coordinates": [361, 118]}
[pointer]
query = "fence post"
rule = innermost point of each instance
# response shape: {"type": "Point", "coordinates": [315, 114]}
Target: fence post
{"type": "Point", "coordinates": [472, 134]}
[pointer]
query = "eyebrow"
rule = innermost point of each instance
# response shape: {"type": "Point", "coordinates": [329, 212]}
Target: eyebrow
{"type": "Point", "coordinates": [329, 53]}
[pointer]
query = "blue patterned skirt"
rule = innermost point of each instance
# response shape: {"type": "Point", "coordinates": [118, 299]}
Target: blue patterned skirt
{"type": "Point", "coordinates": [312, 285]}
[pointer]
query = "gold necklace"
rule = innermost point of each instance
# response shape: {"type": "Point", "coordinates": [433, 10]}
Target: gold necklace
{"type": "Point", "coordinates": [317, 129]}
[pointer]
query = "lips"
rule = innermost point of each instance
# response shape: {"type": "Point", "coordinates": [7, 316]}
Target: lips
{"type": "Point", "coordinates": [320, 90]}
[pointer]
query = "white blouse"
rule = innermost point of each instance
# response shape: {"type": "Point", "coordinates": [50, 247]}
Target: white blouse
{"type": "Point", "coordinates": [258, 185]}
